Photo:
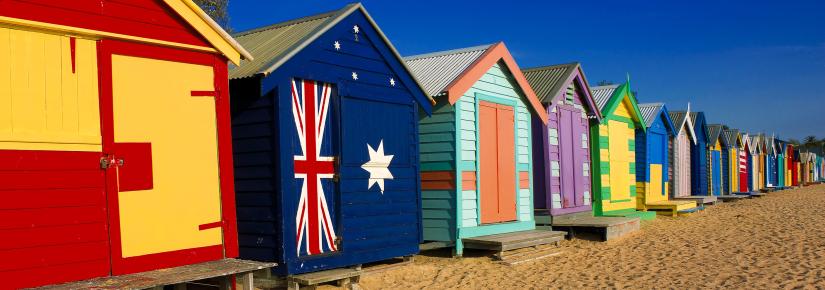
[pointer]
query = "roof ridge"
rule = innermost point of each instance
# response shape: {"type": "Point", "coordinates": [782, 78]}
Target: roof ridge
{"type": "Point", "coordinates": [547, 67]}
{"type": "Point", "coordinates": [291, 22]}
{"type": "Point", "coordinates": [651, 104]}
{"type": "Point", "coordinates": [604, 87]}
{"type": "Point", "coordinates": [447, 52]}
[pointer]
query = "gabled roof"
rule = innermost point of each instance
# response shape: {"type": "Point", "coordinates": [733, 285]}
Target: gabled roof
{"type": "Point", "coordinates": [209, 29]}
{"type": "Point", "coordinates": [694, 118]}
{"type": "Point", "coordinates": [608, 98]}
{"type": "Point", "coordinates": [274, 45]}
{"type": "Point", "coordinates": [550, 83]}
{"type": "Point", "coordinates": [602, 94]}
{"type": "Point", "coordinates": [714, 132]}
{"type": "Point", "coordinates": [462, 68]}
{"type": "Point", "coordinates": [732, 138]}
{"type": "Point", "coordinates": [680, 119]}
{"type": "Point", "coordinates": [746, 141]}
{"type": "Point", "coordinates": [650, 111]}
{"type": "Point", "coordinates": [437, 70]}
{"type": "Point", "coordinates": [754, 143]}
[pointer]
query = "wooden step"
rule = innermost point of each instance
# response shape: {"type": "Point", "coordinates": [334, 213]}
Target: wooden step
{"type": "Point", "coordinates": [731, 197]}
{"type": "Point", "coordinates": [514, 240]}
{"type": "Point", "coordinates": [223, 269]}
{"type": "Point", "coordinates": [607, 228]}
{"type": "Point", "coordinates": [343, 277]}
{"type": "Point", "coordinates": [699, 199]}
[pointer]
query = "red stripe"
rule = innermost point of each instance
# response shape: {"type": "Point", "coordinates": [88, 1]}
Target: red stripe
{"type": "Point", "coordinates": [208, 226]}
{"type": "Point", "coordinates": [312, 185]}
{"type": "Point", "coordinates": [204, 93]}
{"type": "Point", "coordinates": [72, 46]}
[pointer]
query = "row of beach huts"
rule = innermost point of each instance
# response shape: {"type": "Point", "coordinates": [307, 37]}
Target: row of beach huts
{"type": "Point", "coordinates": [122, 152]}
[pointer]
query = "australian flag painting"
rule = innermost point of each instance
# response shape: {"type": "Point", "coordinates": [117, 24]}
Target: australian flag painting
{"type": "Point", "coordinates": [314, 167]}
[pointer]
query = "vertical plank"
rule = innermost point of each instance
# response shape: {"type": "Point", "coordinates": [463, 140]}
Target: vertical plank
{"type": "Point", "coordinates": [53, 83]}
{"type": "Point", "coordinates": [5, 83]}
{"type": "Point", "coordinates": [488, 169]}
{"type": "Point", "coordinates": [37, 82]}
{"type": "Point", "coordinates": [70, 109]}
{"type": "Point", "coordinates": [506, 139]}
{"type": "Point", "coordinates": [19, 80]}
{"type": "Point", "coordinates": [87, 91]}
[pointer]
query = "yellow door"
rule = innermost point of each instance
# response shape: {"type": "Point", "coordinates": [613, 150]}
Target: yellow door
{"type": "Point", "coordinates": [619, 161]}
{"type": "Point", "coordinates": [169, 195]}
{"type": "Point", "coordinates": [654, 192]}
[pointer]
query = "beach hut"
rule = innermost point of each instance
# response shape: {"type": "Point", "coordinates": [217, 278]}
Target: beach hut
{"type": "Point", "coordinates": [325, 123]}
{"type": "Point", "coordinates": [652, 164]}
{"type": "Point", "coordinates": [792, 177]}
{"type": "Point", "coordinates": [730, 159]}
{"type": "Point", "coordinates": [115, 151]}
{"type": "Point", "coordinates": [614, 152]}
{"type": "Point", "coordinates": [683, 144]}
{"type": "Point", "coordinates": [477, 170]}
{"type": "Point", "coordinates": [699, 175]}
{"type": "Point", "coordinates": [754, 166]}
{"type": "Point", "coordinates": [715, 159]}
{"type": "Point", "coordinates": [797, 167]}
{"type": "Point", "coordinates": [744, 161]}
{"type": "Point", "coordinates": [781, 163]}
{"type": "Point", "coordinates": [770, 163]}
{"type": "Point", "coordinates": [561, 149]}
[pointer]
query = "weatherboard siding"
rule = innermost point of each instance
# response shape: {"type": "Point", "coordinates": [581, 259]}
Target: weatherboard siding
{"type": "Point", "coordinates": [616, 170]}
{"type": "Point", "coordinates": [438, 154]}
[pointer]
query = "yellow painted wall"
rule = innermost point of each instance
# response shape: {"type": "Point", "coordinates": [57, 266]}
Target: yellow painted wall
{"type": "Point", "coordinates": [153, 103]}
{"type": "Point", "coordinates": [43, 104]}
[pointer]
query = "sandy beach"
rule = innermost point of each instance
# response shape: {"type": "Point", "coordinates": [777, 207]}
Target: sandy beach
{"type": "Point", "coordinates": [774, 242]}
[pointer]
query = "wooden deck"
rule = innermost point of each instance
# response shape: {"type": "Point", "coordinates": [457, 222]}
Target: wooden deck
{"type": "Point", "coordinates": [700, 199]}
{"type": "Point", "coordinates": [513, 241]}
{"type": "Point", "coordinates": [606, 228]}
{"type": "Point", "coordinates": [177, 276]}
{"type": "Point", "coordinates": [751, 194]}
{"type": "Point", "coordinates": [731, 197]}
{"type": "Point", "coordinates": [672, 207]}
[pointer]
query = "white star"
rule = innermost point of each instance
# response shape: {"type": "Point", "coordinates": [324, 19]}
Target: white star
{"type": "Point", "coordinates": [337, 45]}
{"type": "Point", "coordinates": [392, 82]}
{"type": "Point", "coordinates": [354, 76]}
{"type": "Point", "coordinates": [378, 166]}
{"type": "Point", "coordinates": [356, 29]}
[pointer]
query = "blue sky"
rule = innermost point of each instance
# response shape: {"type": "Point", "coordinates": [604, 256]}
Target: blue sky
{"type": "Point", "coordinates": [754, 65]}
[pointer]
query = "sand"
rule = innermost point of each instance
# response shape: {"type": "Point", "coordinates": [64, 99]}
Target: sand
{"type": "Point", "coordinates": [774, 242]}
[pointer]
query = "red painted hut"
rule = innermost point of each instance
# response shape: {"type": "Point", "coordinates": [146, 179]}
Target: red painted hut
{"type": "Point", "coordinates": [115, 146]}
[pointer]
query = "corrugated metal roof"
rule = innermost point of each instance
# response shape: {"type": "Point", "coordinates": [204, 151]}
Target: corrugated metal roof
{"type": "Point", "coordinates": [714, 131]}
{"type": "Point", "coordinates": [602, 94]}
{"type": "Point", "coordinates": [678, 118]}
{"type": "Point", "coordinates": [271, 44]}
{"type": "Point", "coordinates": [435, 71]}
{"type": "Point", "coordinates": [650, 111]}
{"type": "Point", "coordinates": [548, 81]}
{"type": "Point", "coordinates": [730, 136]}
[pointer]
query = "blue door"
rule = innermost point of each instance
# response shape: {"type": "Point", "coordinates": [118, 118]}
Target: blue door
{"type": "Point", "coordinates": [717, 172]}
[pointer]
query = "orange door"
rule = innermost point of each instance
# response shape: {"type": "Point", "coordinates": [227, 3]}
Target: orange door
{"type": "Point", "coordinates": [497, 163]}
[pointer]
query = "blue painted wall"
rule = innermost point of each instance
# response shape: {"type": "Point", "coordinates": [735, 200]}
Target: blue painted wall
{"type": "Point", "coordinates": [372, 225]}
{"type": "Point", "coordinates": [699, 158]}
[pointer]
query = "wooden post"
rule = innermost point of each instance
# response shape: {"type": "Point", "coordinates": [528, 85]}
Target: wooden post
{"type": "Point", "coordinates": [226, 283]}
{"type": "Point", "coordinates": [248, 281]}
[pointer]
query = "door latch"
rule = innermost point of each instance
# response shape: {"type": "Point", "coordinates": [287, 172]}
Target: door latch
{"type": "Point", "coordinates": [107, 162]}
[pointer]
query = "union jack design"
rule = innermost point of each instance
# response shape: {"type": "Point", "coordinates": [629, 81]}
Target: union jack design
{"type": "Point", "coordinates": [310, 108]}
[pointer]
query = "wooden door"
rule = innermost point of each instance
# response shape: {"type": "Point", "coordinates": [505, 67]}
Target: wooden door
{"type": "Point", "coordinates": [716, 170]}
{"type": "Point", "coordinates": [160, 132]}
{"type": "Point", "coordinates": [567, 153]}
{"type": "Point", "coordinates": [497, 163]}
{"type": "Point", "coordinates": [743, 170]}
{"type": "Point", "coordinates": [619, 153]}
{"type": "Point", "coordinates": [657, 143]}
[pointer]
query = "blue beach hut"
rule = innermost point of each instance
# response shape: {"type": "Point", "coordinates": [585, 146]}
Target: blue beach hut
{"type": "Point", "coordinates": [326, 145]}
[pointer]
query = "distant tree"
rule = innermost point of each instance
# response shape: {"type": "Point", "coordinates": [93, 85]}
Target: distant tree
{"type": "Point", "coordinates": [810, 140]}
{"type": "Point", "coordinates": [725, 127]}
{"type": "Point", "coordinates": [793, 141]}
{"type": "Point", "coordinates": [604, 83]}
{"type": "Point", "coordinates": [217, 9]}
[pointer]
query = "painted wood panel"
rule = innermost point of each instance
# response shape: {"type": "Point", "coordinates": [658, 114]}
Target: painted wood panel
{"type": "Point", "coordinates": [48, 92]}
{"type": "Point", "coordinates": [497, 169]}
{"type": "Point", "coordinates": [150, 19]}
{"type": "Point", "coordinates": [373, 224]}
{"type": "Point", "coordinates": [682, 163]}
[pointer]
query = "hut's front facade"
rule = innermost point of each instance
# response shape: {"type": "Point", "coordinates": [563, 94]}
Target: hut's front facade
{"type": "Point", "coordinates": [115, 145]}
{"type": "Point", "coordinates": [744, 170]}
{"type": "Point", "coordinates": [715, 159]}
{"type": "Point", "coordinates": [781, 163]}
{"type": "Point", "coordinates": [730, 160]}
{"type": "Point", "coordinates": [652, 164]}
{"type": "Point", "coordinates": [699, 176]}
{"type": "Point", "coordinates": [771, 170]}
{"type": "Point", "coordinates": [682, 143]}
{"type": "Point", "coordinates": [614, 152]}
{"type": "Point", "coordinates": [477, 171]}
{"type": "Point", "coordinates": [561, 149]}
{"type": "Point", "coordinates": [793, 165]}
{"type": "Point", "coordinates": [325, 123]}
